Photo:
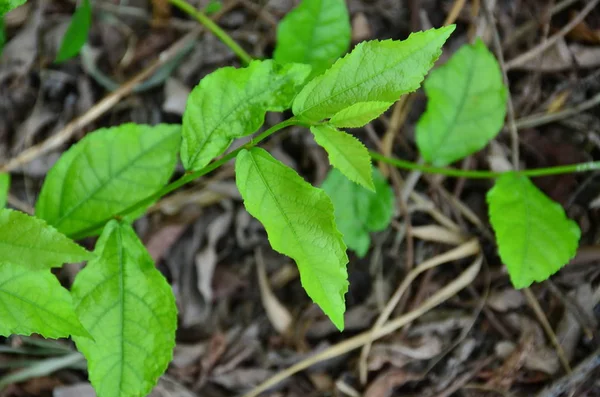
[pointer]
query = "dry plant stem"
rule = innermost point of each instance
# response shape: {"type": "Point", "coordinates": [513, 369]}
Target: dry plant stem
{"type": "Point", "coordinates": [60, 138]}
{"type": "Point", "coordinates": [213, 28]}
{"type": "Point", "coordinates": [514, 135]}
{"type": "Point", "coordinates": [463, 280]}
{"type": "Point", "coordinates": [540, 119]}
{"type": "Point", "coordinates": [535, 305]}
{"type": "Point", "coordinates": [467, 249]}
{"type": "Point", "coordinates": [533, 24]}
{"type": "Point", "coordinates": [539, 49]}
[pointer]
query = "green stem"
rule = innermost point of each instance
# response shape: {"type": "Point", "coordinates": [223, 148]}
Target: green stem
{"type": "Point", "coordinates": [563, 169]}
{"type": "Point", "coordinates": [208, 23]}
{"type": "Point", "coordinates": [189, 177]}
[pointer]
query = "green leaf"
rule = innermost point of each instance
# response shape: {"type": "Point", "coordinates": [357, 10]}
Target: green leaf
{"type": "Point", "coordinates": [129, 309]}
{"type": "Point", "coordinates": [77, 32]}
{"type": "Point", "coordinates": [106, 172]}
{"type": "Point", "coordinates": [346, 153]}
{"type": "Point", "coordinates": [8, 5]}
{"type": "Point", "coordinates": [213, 6]}
{"type": "Point", "coordinates": [535, 238]}
{"type": "Point", "coordinates": [317, 33]}
{"type": "Point", "coordinates": [299, 222]}
{"type": "Point", "coordinates": [35, 302]}
{"type": "Point", "coordinates": [29, 242]}
{"type": "Point", "coordinates": [359, 114]}
{"type": "Point", "coordinates": [2, 35]}
{"type": "Point", "coordinates": [375, 71]}
{"type": "Point", "coordinates": [466, 107]}
{"type": "Point", "coordinates": [230, 103]}
{"type": "Point", "coordinates": [359, 211]}
{"type": "Point", "coordinates": [4, 187]}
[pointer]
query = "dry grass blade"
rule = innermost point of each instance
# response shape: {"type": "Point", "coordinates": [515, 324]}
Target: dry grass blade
{"type": "Point", "coordinates": [462, 281]}
{"type": "Point", "coordinates": [439, 234]}
{"type": "Point", "coordinates": [58, 139]}
{"type": "Point", "coordinates": [278, 315]}
{"type": "Point", "coordinates": [465, 250]}
{"type": "Point", "coordinates": [543, 46]}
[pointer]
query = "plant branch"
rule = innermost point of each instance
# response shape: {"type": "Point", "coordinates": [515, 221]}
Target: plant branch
{"type": "Point", "coordinates": [208, 23]}
{"type": "Point", "coordinates": [190, 176]}
{"type": "Point", "coordinates": [453, 172]}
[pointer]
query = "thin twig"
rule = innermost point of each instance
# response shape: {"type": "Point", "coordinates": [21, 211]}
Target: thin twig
{"type": "Point", "coordinates": [467, 249]}
{"type": "Point", "coordinates": [535, 305]}
{"type": "Point", "coordinates": [536, 120]}
{"type": "Point", "coordinates": [100, 108]}
{"type": "Point", "coordinates": [465, 278]}
{"type": "Point", "coordinates": [543, 46]}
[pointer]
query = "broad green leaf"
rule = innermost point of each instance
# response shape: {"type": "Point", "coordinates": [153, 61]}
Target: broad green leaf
{"type": "Point", "coordinates": [346, 153]}
{"type": "Point", "coordinates": [77, 32]}
{"type": "Point", "coordinates": [8, 5]}
{"type": "Point", "coordinates": [359, 211]}
{"type": "Point", "coordinates": [466, 106]}
{"type": "Point", "coordinates": [106, 172]}
{"type": "Point", "coordinates": [299, 222]}
{"type": "Point", "coordinates": [35, 302]}
{"type": "Point", "coordinates": [535, 238]}
{"type": "Point", "coordinates": [230, 103]}
{"type": "Point", "coordinates": [129, 309]}
{"type": "Point", "coordinates": [29, 242]}
{"type": "Point", "coordinates": [375, 71]}
{"type": "Point", "coordinates": [4, 187]}
{"type": "Point", "coordinates": [359, 114]}
{"type": "Point", "coordinates": [317, 33]}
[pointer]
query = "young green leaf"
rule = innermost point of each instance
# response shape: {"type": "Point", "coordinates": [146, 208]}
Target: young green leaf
{"type": "Point", "coordinates": [346, 153]}
{"type": "Point", "coordinates": [77, 32]}
{"type": "Point", "coordinates": [29, 242]}
{"type": "Point", "coordinates": [230, 103]}
{"type": "Point", "coordinates": [4, 187]}
{"type": "Point", "coordinates": [535, 238]}
{"type": "Point", "coordinates": [466, 106]}
{"type": "Point", "coordinates": [375, 71]}
{"type": "Point", "coordinates": [359, 114]}
{"type": "Point", "coordinates": [35, 302]}
{"type": "Point", "coordinates": [359, 211]}
{"type": "Point", "coordinates": [129, 309]}
{"type": "Point", "coordinates": [8, 5]}
{"type": "Point", "coordinates": [299, 222]}
{"type": "Point", "coordinates": [316, 33]}
{"type": "Point", "coordinates": [106, 172]}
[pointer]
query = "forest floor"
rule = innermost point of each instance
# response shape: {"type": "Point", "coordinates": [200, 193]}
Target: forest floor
{"type": "Point", "coordinates": [486, 340]}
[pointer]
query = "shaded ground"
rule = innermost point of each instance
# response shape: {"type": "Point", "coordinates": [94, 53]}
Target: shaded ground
{"type": "Point", "coordinates": [486, 340]}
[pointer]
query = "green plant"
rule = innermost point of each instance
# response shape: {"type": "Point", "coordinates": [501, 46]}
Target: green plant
{"type": "Point", "coordinates": [77, 32]}
{"type": "Point", "coordinates": [121, 311]}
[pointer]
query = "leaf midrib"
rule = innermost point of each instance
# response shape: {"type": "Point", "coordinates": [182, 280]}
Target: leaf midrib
{"type": "Point", "coordinates": [365, 80]}
{"type": "Point", "coordinates": [111, 178]}
{"type": "Point", "coordinates": [284, 215]}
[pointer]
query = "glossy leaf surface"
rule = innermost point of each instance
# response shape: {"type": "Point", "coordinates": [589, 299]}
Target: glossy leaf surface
{"type": "Point", "coordinates": [466, 106]}
{"type": "Point", "coordinates": [535, 238]}
{"type": "Point", "coordinates": [106, 172]}
{"type": "Point", "coordinates": [299, 222]}
{"type": "Point", "coordinates": [129, 309]}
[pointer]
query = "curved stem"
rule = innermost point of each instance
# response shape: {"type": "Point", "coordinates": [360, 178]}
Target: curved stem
{"type": "Point", "coordinates": [208, 23]}
{"type": "Point", "coordinates": [536, 172]}
{"type": "Point", "coordinates": [190, 176]}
